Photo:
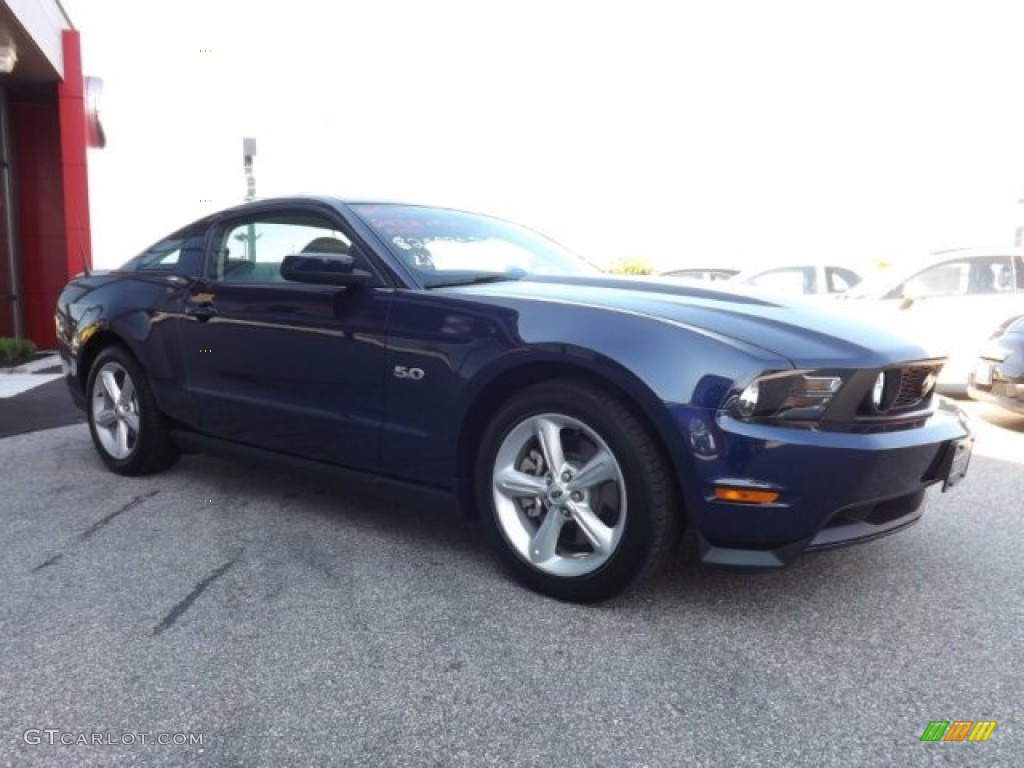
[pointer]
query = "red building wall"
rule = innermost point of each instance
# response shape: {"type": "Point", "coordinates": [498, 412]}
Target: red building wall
{"type": "Point", "coordinates": [71, 108]}
{"type": "Point", "coordinates": [41, 245]}
{"type": "Point", "coordinates": [48, 136]}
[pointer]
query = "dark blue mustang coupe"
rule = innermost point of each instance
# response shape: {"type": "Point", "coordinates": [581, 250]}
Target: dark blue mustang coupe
{"type": "Point", "coordinates": [587, 420]}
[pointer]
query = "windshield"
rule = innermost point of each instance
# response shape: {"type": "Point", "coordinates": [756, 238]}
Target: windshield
{"type": "Point", "coordinates": [446, 247]}
{"type": "Point", "coordinates": [881, 284]}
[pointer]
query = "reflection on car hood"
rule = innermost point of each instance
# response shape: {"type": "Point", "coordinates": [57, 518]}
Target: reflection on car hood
{"type": "Point", "coordinates": [810, 335]}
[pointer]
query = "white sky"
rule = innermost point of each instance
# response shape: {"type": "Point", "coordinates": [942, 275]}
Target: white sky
{"type": "Point", "coordinates": [687, 133]}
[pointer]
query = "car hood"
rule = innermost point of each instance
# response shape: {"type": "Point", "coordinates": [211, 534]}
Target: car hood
{"type": "Point", "coordinates": [808, 334]}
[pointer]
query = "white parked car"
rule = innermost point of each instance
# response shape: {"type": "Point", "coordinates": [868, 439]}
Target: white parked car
{"type": "Point", "coordinates": [712, 274]}
{"type": "Point", "coordinates": [950, 303]}
{"type": "Point", "coordinates": [800, 279]}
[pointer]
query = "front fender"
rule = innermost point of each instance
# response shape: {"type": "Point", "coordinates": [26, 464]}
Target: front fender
{"type": "Point", "coordinates": [672, 376]}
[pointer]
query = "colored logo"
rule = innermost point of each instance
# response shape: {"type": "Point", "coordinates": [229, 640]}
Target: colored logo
{"type": "Point", "coordinates": [958, 730]}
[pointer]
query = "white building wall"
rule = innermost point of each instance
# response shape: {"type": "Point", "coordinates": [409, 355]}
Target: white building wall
{"type": "Point", "coordinates": [44, 20]}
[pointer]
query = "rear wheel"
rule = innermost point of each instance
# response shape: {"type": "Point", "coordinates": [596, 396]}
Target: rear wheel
{"type": "Point", "coordinates": [575, 492]}
{"type": "Point", "coordinates": [127, 429]}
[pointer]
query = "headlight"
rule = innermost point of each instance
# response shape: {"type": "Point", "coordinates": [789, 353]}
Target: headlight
{"type": "Point", "coordinates": [746, 403]}
{"type": "Point", "coordinates": [791, 395]}
{"type": "Point", "coordinates": [878, 391]}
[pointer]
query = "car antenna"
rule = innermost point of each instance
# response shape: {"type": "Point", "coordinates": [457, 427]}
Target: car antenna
{"type": "Point", "coordinates": [81, 250]}
{"type": "Point", "coordinates": [85, 263]}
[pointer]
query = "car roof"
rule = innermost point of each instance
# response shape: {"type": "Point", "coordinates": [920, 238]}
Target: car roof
{"type": "Point", "coordinates": [700, 269]}
{"type": "Point", "coordinates": [335, 200]}
{"type": "Point", "coordinates": [857, 269]}
{"type": "Point", "coordinates": [951, 253]}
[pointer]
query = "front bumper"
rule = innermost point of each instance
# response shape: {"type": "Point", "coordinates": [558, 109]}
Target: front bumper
{"type": "Point", "coordinates": [998, 383]}
{"type": "Point", "coordinates": [1011, 402]}
{"type": "Point", "coordinates": [835, 488]}
{"type": "Point", "coordinates": [69, 369]}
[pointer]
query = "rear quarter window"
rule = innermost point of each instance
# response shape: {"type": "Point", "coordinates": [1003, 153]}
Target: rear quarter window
{"type": "Point", "coordinates": [179, 254]}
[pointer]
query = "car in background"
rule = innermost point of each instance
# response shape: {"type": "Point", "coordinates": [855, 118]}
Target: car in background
{"type": "Point", "coordinates": [712, 275]}
{"type": "Point", "coordinates": [950, 303]}
{"type": "Point", "coordinates": [586, 419]}
{"type": "Point", "coordinates": [800, 279]}
{"type": "Point", "coordinates": [998, 375]}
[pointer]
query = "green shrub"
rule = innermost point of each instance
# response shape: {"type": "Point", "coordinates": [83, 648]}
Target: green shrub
{"type": "Point", "coordinates": [631, 267]}
{"type": "Point", "coordinates": [15, 349]}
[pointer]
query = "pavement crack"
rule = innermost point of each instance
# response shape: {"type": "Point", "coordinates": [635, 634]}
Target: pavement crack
{"type": "Point", "coordinates": [103, 521]}
{"type": "Point", "coordinates": [53, 559]}
{"type": "Point", "coordinates": [48, 562]}
{"type": "Point", "coordinates": [176, 612]}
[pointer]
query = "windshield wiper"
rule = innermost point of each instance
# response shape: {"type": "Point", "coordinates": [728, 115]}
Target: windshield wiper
{"type": "Point", "coordinates": [497, 277]}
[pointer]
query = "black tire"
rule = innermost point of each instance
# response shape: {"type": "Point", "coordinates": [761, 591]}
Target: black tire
{"type": "Point", "coordinates": [150, 450]}
{"type": "Point", "coordinates": [638, 506]}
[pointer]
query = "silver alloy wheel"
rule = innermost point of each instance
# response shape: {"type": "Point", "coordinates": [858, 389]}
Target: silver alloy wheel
{"type": "Point", "coordinates": [559, 495]}
{"type": "Point", "coordinates": [115, 410]}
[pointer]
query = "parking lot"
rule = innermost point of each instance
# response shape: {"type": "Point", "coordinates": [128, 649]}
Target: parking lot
{"type": "Point", "coordinates": [286, 621]}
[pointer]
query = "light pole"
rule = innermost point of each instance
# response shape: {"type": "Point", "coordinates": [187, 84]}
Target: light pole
{"type": "Point", "coordinates": [248, 153]}
{"type": "Point", "coordinates": [1019, 240]}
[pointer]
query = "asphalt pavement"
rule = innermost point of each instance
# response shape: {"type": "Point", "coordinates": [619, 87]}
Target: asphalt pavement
{"type": "Point", "coordinates": [35, 397]}
{"type": "Point", "coordinates": [289, 622]}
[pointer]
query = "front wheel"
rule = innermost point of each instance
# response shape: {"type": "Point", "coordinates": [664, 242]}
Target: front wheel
{"type": "Point", "coordinates": [575, 492]}
{"type": "Point", "coordinates": [127, 428]}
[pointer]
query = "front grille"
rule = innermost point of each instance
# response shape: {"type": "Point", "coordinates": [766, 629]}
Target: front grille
{"type": "Point", "coordinates": [911, 386]}
{"type": "Point", "coordinates": [906, 389]}
{"type": "Point", "coordinates": [906, 400]}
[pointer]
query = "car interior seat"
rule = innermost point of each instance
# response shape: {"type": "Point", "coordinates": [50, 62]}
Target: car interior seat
{"type": "Point", "coordinates": [233, 270]}
{"type": "Point", "coordinates": [220, 262]}
{"type": "Point", "coordinates": [332, 245]}
{"type": "Point", "coordinates": [1005, 280]}
{"type": "Point", "coordinates": [326, 245]}
{"type": "Point", "coordinates": [982, 279]}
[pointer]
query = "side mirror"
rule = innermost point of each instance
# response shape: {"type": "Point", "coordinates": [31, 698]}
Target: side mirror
{"type": "Point", "coordinates": [324, 268]}
{"type": "Point", "coordinates": [911, 293]}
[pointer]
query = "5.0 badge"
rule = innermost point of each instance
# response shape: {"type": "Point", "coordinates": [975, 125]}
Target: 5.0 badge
{"type": "Point", "coordinates": [405, 372]}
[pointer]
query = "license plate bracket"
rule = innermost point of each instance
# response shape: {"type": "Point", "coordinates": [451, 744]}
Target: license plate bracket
{"type": "Point", "coordinates": [957, 461]}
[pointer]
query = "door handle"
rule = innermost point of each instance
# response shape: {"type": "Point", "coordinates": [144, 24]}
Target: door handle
{"type": "Point", "coordinates": [201, 312]}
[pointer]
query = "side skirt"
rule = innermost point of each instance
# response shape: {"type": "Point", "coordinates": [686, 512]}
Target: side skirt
{"type": "Point", "coordinates": [193, 442]}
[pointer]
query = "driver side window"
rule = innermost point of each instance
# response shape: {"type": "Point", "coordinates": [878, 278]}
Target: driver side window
{"type": "Point", "coordinates": [251, 250]}
{"type": "Point", "coordinates": [795, 281]}
{"type": "Point", "coordinates": [972, 277]}
{"type": "Point", "coordinates": [943, 280]}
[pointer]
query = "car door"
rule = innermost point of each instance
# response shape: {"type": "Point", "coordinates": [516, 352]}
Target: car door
{"type": "Point", "coordinates": [287, 366]}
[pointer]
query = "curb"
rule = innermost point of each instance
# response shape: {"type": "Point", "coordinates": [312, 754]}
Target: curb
{"type": "Point", "coordinates": [49, 360]}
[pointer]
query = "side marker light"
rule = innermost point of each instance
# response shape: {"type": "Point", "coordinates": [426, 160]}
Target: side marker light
{"type": "Point", "coordinates": [745, 495]}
